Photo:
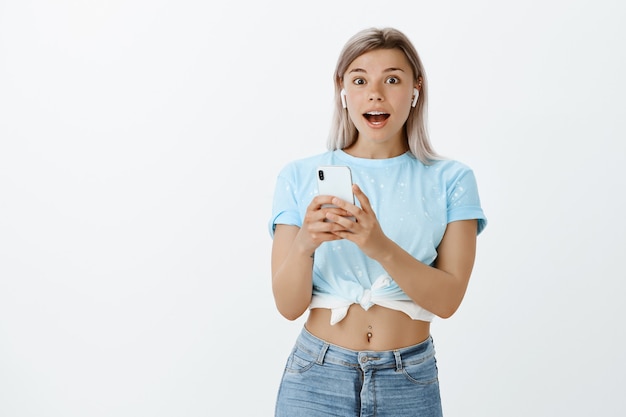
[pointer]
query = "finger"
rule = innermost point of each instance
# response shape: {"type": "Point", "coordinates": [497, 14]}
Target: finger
{"type": "Point", "coordinates": [322, 231]}
{"type": "Point", "coordinates": [349, 207]}
{"type": "Point", "coordinates": [317, 217]}
{"type": "Point", "coordinates": [338, 211]}
{"type": "Point", "coordinates": [318, 201]}
{"type": "Point", "coordinates": [345, 222]}
{"type": "Point", "coordinates": [360, 195]}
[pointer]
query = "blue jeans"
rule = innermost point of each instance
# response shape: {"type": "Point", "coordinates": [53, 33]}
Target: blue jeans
{"type": "Point", "coordinates": [323, 380]}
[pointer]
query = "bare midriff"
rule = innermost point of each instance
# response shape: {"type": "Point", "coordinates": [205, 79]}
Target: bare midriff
{"type": "Point", "coordinates": [378, 328]}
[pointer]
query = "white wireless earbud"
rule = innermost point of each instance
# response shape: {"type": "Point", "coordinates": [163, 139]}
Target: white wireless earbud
{"type": "Point", "coordinates": [416, 94]}
{"type": "Point", "coordinates": [342, 94]}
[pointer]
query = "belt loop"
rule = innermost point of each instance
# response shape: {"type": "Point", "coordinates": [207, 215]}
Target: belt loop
{"type": "Point", "coordinates": [320, 357]}
{"type": "Point", "coordinates": [396, 353]}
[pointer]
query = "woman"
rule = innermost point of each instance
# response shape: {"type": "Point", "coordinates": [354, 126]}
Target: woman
{"type": "Point", "coordinates": [373, 274]}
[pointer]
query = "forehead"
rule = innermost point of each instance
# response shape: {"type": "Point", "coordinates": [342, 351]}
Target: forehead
{"type": "Point", "coordinates": [380, 60]}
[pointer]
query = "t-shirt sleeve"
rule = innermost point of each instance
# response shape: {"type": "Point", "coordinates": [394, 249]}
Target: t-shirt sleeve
{"type": "Point", "coordinates": [464, 201]}
{"type": "Point", "coordinates": [284, 206]}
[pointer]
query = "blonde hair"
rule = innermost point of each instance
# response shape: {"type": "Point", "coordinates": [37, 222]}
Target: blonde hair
{"type": "Point", "coordinates": [343, 133]}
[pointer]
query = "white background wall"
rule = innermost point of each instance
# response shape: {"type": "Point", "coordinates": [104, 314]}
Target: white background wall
{"type": "Point", "coordinates": [139, 143]}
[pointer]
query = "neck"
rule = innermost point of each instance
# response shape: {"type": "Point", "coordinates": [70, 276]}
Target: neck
{"type": "Point", "coordinates": [380, 151]}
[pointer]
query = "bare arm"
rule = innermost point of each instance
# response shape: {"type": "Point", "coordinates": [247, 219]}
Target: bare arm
{"type": "Point", "coordinates": [292, 257]}
{"type": "Point", "coordinates": [441, 289]}
{"type": "Point", "coordinates": [291, 273]}
{"type": "Point", "coordinates": [438, 289]}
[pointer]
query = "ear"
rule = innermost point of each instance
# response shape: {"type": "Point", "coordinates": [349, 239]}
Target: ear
{"type": "Point", "coordinates": [416, 95]}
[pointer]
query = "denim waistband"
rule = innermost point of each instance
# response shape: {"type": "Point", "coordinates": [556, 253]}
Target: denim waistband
{"type": "Point", "coordinates": [398, 358]}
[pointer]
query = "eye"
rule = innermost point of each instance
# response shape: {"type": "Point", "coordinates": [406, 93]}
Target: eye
{"type": "Point", "coordinates": [393, 80]}
{"type": "Point", "coordinates": [358, 81]}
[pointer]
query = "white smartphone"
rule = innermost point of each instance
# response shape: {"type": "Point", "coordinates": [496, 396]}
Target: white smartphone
{"type": "Point", "coordinates": [335, 180]}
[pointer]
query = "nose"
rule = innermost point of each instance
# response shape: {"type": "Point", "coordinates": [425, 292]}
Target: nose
{"type": "Point", "coordinates": [375, 95]}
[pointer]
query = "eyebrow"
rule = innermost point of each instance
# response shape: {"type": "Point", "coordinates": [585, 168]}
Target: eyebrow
{"type": "Point", "coordinates": [392, 69]}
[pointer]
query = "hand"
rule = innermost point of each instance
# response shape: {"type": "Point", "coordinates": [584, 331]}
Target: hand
{"type": "Point", "coordinates": [316, 227]}
{"type": "Point", "coordinates": [364, 231]}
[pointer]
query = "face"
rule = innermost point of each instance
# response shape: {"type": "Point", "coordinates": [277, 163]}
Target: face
{"type": "Point", "coordinates": [379, 91]}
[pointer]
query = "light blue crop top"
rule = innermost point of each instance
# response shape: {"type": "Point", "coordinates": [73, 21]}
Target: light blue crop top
{"type": "Point", "coordinates": [413, 202]}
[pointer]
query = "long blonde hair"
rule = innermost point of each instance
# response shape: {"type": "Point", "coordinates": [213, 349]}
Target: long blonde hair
{"type": "Point", "coordinates": [343, 133]}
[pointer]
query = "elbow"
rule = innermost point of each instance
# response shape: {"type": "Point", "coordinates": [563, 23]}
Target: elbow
{"type": "Point", "coordinates": [291, 305]}
{"type": "Point", "coordinates": [446, 313]}
{"type": "Point", "coordinates": [291, 312]}
{"type": "Point", "coordinates": [447, 306]}
{"type": "Point", "coordinates": [291, 315]}
{"type": "Point", "coordinates": [447, 310]}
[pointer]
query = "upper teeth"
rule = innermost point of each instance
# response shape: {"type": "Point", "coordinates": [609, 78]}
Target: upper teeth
{"type": "Point", "coordinates": [375, 113]}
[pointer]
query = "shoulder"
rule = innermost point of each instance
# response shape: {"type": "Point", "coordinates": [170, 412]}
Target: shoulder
{"type": "Point", "coordinates": [449, 165]}
{"type": "Point", "coordinates": [449, 169]}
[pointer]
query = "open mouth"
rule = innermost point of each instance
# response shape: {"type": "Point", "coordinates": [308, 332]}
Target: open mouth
{"type": "Point", "coordinates": [376, 117]}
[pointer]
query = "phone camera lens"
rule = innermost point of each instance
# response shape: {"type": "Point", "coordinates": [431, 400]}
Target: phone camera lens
{"type": "Point", "coordinates": [320, 173]}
